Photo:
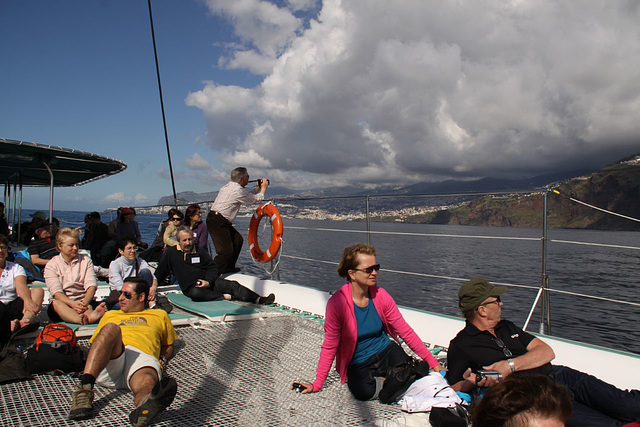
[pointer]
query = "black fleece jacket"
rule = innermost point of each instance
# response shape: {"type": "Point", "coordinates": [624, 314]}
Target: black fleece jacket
{"type": "Point", "coordinates": [187, 267]}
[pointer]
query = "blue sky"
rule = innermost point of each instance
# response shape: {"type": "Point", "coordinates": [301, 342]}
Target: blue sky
{"type": "Point", "coordinates": [315, 93]}
{"type": "Point", "coordinates": [81, 74]}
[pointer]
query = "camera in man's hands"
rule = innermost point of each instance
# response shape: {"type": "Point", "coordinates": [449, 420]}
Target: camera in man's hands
{"type": "Point", "coordinates": [481, 374]}
{"type": "Point", "coordinates": [259, 181]}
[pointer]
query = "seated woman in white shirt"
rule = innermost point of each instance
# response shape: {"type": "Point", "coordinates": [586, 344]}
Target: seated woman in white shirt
{"type": "Point", "coordinates": [128, 264]}
{"type": "Point", "coordinates": [19, 305]}
{"type": "Point", "coordinates": [72, 283]}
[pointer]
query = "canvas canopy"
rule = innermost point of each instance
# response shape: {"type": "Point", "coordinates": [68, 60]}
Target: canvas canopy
{"type": "Point", "coordinates": [69, 167]}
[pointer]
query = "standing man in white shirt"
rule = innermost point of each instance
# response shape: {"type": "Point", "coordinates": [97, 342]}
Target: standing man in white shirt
{"type": "Point", "coordinates": [226, 239]}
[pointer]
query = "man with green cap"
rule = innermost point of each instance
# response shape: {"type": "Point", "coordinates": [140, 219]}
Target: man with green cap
{"type": "Point", "coordinates": [492, 343]}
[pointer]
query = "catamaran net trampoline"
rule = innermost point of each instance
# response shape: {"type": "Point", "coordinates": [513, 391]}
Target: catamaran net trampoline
{"type": "Point", "coordinates": [233, 373]}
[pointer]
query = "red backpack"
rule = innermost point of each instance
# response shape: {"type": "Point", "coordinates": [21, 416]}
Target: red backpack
{"type": "Point", "coordinates": [58, 336]}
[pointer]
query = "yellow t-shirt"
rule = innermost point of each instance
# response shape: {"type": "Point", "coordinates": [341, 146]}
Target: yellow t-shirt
{"type": "Point", "coordinates": [147, 330]}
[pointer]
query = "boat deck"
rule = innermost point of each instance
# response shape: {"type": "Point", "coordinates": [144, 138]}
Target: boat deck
{"type": "Point", "coordinates": [228, 373]}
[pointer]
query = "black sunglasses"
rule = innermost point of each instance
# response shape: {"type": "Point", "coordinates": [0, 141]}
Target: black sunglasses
{"type": "Point", "coordinates": [503, 347]}
{"type": "Point", "coordinates": [127, 295]}
{"type": "Point", "coordinates": [176, 219]}
{"type": "Point", "coordinates": [369, 270]}
{"type": "Point", "coordinates": [496, 301]}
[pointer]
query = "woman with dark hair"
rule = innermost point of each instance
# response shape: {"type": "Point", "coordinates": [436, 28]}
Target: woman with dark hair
{"type": "Point", "coordinates": [128, 226]}
{"type": "Point", "coordinates": [523, 401]}
{"type": "Point", "coordinates": [170, 237]}
{"type": "Point", "coordinates": [193, 220]}
{"type": "Point", "coordinates": [19, 305]}
{"type": "Point", "coordinates": [154, 253]}
{"type": "Point", "coordinates": [359, 322]}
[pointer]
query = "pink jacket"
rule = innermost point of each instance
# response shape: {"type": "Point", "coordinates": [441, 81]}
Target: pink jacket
{"type": "Point", "coordinates": [341, 331]}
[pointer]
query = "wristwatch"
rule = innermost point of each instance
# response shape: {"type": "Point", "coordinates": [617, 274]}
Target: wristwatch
{"type": "Point", "coordinates": [166, 362]}
{"type": "Point", "coordinates": [512, 365]}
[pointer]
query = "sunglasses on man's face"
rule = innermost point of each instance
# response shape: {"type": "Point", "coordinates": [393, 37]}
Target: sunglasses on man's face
{"type": "Point", "coordinates": [495, 301]}
{"type": "Point", "coordinates": [176, 219]}
{"type": "Point", "coordinates": [127, 295]}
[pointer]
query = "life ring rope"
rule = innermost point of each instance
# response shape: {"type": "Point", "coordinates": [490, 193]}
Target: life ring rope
{"type": "Point", "coordinates": [270, 211]}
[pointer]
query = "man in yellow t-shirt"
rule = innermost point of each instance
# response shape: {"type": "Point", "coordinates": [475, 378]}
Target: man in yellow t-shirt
{"type": "Point", "coordinates": [129, 350]}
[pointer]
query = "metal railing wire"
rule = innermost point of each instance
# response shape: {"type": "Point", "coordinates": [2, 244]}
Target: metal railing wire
{"type": "Point", "coordinates": [543, 289]}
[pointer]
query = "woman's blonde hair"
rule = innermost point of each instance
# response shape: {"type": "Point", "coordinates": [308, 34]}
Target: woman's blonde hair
{"type": "Point", "coordinates": [65, 232]}
{"type": "Point", "coordinates": [349, 260]}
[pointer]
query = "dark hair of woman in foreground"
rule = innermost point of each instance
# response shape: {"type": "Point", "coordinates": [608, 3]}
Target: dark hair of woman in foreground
{"type": "Point", "coordinates": [523, 401]}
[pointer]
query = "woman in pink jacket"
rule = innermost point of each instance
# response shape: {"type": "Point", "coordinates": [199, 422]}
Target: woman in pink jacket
{"type": "Point", "coordinates": [359, 323]}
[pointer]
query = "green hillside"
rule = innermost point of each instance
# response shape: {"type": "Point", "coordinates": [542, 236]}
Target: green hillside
{"type": "Point", "coordinates": [615, 188]}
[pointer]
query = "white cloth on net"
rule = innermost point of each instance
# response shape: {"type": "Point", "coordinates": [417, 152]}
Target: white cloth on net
{"type": "Point", "coordinates": [428, 392]}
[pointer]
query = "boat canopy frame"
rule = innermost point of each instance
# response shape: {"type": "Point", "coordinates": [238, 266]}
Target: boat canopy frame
{"type": "Point", "coordinates": [29, 164]}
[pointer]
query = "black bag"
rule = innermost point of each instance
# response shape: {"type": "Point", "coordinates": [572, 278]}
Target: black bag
{"type": "Point", "coordinates": [449, 417]}
{"type": "Point", "coordinates": [400, 377]}
{"type": "Point", "coordinates": [55, 350]}
{"type": "Point", "coordinates": [12, 364]}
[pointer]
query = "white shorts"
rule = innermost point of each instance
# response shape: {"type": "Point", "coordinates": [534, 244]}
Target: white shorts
{"type": "Point", "coordinates": [119, 371]}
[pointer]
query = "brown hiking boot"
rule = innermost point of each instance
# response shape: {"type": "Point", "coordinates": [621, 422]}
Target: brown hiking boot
{"type": "Point", "coordinates": [82, 404]}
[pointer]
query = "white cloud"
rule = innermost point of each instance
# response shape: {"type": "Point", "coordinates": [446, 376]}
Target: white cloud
{"type": "Point", "coordinates": [163, 173]}
{"type": "Point", "coordinates": [197, 162]}
{"type": "Point", "coordinates": [412, 90]}
{"type": "Point", "coordinates": [140, 199]}
{"type": "Point", "coordinates": [118, 197]}
{"type": "Point", "coordinates": [247, 158]}
{"type": "Point", "coordinates": [121, 198]}
{"type": "Point", "coordinates": [264, 28]}
{"type": "Point", "coordinates": [250, 60]}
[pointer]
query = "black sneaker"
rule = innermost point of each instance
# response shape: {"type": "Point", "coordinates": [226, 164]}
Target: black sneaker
{"type": "Point", "coordinates": [82, 404]}
{"type": "Point", "coordinates": [162, 303]}
{"type": "Point", "coordinates": [267, 300]}
{"type": "Point", "coordinates": [154, 403]}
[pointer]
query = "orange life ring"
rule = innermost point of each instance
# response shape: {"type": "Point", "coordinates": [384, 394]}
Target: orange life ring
{"type": "Point", "coordinates": [276, 237]}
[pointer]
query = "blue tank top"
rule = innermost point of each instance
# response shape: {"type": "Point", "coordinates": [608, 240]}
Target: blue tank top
{"type": "Point", "coordinates": [371, 338]}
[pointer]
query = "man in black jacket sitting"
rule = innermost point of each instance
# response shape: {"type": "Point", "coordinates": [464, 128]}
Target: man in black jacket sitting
{"type": "Point", "coordinates": [197, 274]}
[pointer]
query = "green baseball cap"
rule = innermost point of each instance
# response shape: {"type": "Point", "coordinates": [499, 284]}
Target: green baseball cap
{"type": "Point", "coordinates": [475, 291]}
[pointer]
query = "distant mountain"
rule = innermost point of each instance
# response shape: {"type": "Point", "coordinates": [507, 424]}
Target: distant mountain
{"type": "Point", "coordinates": [448, 186]}
{"type": "Point", "coordinates": [487, 184]}
{"type": "Point", "coordinates": [615, 188]}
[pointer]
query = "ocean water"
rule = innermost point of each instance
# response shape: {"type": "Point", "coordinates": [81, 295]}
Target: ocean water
{"type": "Point", "coordinates": [603, 272]}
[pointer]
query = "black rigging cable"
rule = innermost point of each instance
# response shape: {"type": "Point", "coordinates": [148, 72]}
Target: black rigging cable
{"type": "Point", "coordinates": [164, 120]}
